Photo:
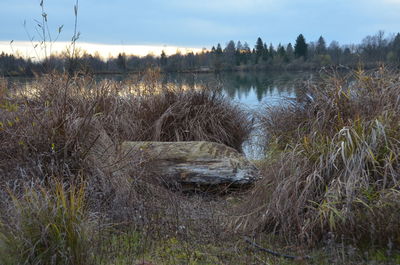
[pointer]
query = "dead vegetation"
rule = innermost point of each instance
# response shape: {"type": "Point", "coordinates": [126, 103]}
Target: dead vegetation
{"type": "Point", "coordinates": [48, 124]}
{"type": "Point", "coordinates": [61, 133]}
{"type": "Point", "coordinates": [333, 164]}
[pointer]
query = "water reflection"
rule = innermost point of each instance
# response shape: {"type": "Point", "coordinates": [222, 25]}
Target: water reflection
{"type": "Point", "coordinates": [250, 89]}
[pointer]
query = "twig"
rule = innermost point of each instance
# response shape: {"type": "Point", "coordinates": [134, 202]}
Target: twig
{"type": "Point", "coordinates": [269, 251]}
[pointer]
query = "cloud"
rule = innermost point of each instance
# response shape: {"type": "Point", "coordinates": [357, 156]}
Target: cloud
{"type": "Point", "coordinates": [209, 27]}
{"type": "Point", "coordinates": [27, 50]}
{"type": "Point", "coordinates": [229, 6]}
{"type": "Point", "coordinates": [205, 22]}
{"type": "Point", "coordinates": [392, 1]}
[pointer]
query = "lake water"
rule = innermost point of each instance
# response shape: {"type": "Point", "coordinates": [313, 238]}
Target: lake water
{"type": "Point", "coordinates": [248, 88]}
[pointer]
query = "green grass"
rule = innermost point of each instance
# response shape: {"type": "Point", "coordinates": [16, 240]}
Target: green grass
{"type": "Point", "coordinates": [46, 227]}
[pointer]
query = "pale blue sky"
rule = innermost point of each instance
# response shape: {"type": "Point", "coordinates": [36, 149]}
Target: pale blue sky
{"type": "Point", "coordinates": [203, 23]}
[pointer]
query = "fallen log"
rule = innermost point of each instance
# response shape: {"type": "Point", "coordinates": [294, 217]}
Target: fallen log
{"type": "Point", "coordinates": [195, 163]}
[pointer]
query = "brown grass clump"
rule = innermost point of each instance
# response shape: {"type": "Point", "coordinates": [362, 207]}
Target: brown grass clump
{"type": "Point", "coordinates": [333, 164]}
{"type": "Point", "coordinates": [46, 131]}
{"type": "Point", "coordinates": [49, 128]}
{"type": "Point", "coordinates": [169, 113]}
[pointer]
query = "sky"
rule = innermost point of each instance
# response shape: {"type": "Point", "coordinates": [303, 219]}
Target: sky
{"type": "Point", "coordinates": [173, 24]}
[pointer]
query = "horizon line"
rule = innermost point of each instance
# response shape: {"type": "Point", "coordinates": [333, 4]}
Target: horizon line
{"type": "Point", "coordinates": [27, 49]}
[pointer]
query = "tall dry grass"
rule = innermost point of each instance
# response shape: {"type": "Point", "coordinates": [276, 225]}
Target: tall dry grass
{"type": "Point", "coordinates": [166, 112]}
{"type": "Point", "coordinates": [333, 163]}
{"type": "Point", "coordinates": [45, 125]}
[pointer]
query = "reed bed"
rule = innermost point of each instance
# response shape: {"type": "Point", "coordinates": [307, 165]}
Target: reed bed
{"type": "Point", "coordinates": [332, 169]}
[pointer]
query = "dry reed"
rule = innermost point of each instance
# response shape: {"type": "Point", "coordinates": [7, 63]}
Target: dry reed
{"type": "Point", "coordinates": [333, 163]}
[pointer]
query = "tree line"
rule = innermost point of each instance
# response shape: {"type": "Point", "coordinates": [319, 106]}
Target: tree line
{"type": "Point", "coordinates": [372, 51]}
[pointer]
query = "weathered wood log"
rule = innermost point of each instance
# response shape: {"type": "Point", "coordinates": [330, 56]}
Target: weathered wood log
{"type": "Point", "coordinates": [196, 163]}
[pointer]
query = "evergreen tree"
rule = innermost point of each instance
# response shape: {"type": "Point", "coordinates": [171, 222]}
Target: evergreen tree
{"type": "Point", "coordinates": [217, 58]}
{"type": "Point", "coordinates": [218, 51]}
{"type": "Point", "coordinates": [271, 50]}
{"type": "Point", "coordinates": [121, 61]}
{"type": "Point", "coordinates": [321, 46]}
{"type": "Point", "coordinates": [239, 53]}
{"type": "Point", "coordinates": [246, 47]}
{"type": "Point", "coordinates": [163, 59]}
{"type": "Point", "coordinates": [229, 53]}
{"type": "Point", "coordinates": [230, 47]}
{"type": "Point", "coordinates": [239, 46]}
{"type": "Point", "coordinates": [289, 52]}
{"type": "Point", "coordinates": [259, 46]}
{"type": "Point", "coordinates": [247, 53]}
{"type": "Point", "coordinates": [265, 53]}
{"type": "Point", "coordinates": [300, 48]}
{"type": "Point", "coordinates": [281, 51]}
{"type": "Point", "coordinates": [259, 49]}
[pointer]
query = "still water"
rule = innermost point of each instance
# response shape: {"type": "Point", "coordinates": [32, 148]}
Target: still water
{"type": "Point", "coordinates": [251, 89]}
{"type": "Point", "coordinates": [247, 88]}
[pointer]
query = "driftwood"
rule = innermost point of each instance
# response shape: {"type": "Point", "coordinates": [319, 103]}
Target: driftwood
{"type": "Point", "coordinates": [189, 164]}
{"type": "Point", "coordinates": [195, 163]}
